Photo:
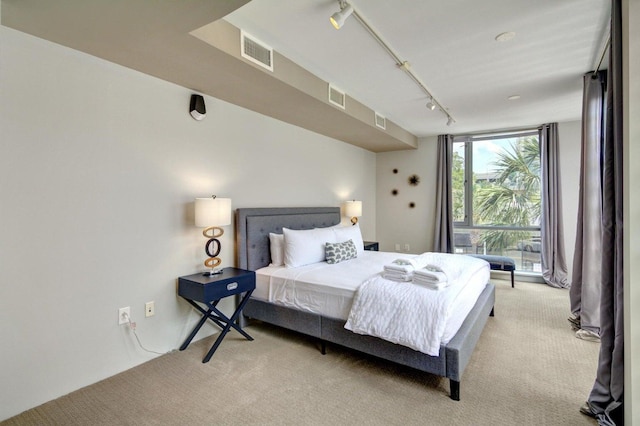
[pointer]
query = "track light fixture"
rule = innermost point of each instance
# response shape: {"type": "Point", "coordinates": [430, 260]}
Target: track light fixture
{"type": "Point", "coordinates": [338, 18]}
{"type": "Point", "coordinates": [346, 10]}
{"type": "Point", "coordinates": [430, 105]}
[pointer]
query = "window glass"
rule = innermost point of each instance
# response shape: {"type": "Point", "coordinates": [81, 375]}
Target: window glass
{"type": "Point", "coordinates": [496, 196]}
{"type": "Point", "coordinates": [458, 184]}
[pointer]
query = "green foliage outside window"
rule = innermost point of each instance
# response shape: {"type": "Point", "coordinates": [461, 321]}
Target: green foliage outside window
{"type": "Point", "coordinates": [511, 198]}
{"type": "Point", "coordinates": [457, 185]}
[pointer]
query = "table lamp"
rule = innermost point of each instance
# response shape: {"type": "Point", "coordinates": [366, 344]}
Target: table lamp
{"type": "Point", "coordinates": [212, 213]}
{"type": "Point", "coordinates": [353, 209]}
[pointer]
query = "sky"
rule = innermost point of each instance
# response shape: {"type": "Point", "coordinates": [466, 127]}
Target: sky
{"type": "Point", "coordinates": [484, 153]}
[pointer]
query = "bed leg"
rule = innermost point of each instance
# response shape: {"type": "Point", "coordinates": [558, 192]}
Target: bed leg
{"type": "Point", "coordinates": [242, 321]}
{"type": "Point", "coordinates": [455, 389]}
{"type": "Point", "coordinates": [491, 314]}
{"type": "Point", "coordinates": [323, 347]}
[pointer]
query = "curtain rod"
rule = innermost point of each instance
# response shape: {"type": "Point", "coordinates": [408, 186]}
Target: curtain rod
{"type": "Point", "coordinates": [496, 133]}
{"type": "Point", "coordinates": [604, 51]}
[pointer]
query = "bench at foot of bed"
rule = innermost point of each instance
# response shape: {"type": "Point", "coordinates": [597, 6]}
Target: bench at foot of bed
{"type": "Point", "coordinates": [499, 263]}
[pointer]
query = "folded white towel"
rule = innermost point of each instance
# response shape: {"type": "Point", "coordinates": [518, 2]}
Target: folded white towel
{"type": "Point", "coordinates": [434, 268]}
{"type": "Point", "coordinates": [397, 276]}
{"type": "Point", "coordinates": [428, 275]}
{"type": "Point", "coordinates": [399, 265]}
{"type": "Point", "coordinates": [407, 265]}
{"type": "Point", "coordinates": [451, 266]}
{"type": "Point", "coordinates": [431, 277]}
{"type": "Point", "coordinates": [430, 284]}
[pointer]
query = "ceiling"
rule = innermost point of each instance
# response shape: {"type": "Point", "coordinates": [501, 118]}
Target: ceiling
{"type": "Point", "coordinates": [449, 45]}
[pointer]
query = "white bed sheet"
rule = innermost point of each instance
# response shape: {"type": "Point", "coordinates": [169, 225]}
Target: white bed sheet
{"type": "Point", "coordinates": [329, 290]}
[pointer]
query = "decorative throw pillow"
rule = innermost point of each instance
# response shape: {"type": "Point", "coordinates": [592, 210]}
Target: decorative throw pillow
{"type": "Point", "coordinates": [339, 252]}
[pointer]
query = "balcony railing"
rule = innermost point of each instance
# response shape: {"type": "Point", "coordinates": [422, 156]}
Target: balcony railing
{"type": "Point", "coordinates": [523, 246]}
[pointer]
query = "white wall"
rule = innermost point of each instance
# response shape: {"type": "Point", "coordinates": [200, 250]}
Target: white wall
{"type": "Point", "coordinates": [99, 167]}
{"type": "Point", "coordinates": [397, 223]}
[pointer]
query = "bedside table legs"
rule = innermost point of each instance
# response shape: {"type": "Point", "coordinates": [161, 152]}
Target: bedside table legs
{"type": "Point", "coordinates": [197, 327]}
{"type": "Point", "coordinates": [219, 319]}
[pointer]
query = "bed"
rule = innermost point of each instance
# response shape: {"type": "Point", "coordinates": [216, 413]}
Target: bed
{"type": "Point", "coordinates": [253, 226]}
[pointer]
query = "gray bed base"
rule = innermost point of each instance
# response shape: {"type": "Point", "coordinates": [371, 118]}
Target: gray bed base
{"type": "Point", "coordinates": [253, 226]}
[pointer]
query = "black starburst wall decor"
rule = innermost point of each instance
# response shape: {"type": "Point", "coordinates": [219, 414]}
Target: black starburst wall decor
{"type": "Point", "coordinates": [414, 180]}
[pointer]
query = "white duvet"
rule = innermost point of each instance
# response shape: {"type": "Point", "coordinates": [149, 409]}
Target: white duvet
{"type": "Point", "coordinates": [409, 314]}
{"type": "Point", "coordinates": [331, 290]}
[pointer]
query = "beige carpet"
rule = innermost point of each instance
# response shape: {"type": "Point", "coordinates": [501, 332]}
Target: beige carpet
{"type": "Point", "coordinates": [528, 369]}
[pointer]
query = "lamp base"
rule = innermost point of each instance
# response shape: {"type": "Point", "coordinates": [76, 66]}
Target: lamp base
{"type": "Point", "coordinates": [212, 272]}
{"type": "Point", "coordinates": [213, 261]}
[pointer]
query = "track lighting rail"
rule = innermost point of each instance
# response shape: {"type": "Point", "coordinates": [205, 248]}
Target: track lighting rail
{"type": "Point", "coordinates": [345, 11]}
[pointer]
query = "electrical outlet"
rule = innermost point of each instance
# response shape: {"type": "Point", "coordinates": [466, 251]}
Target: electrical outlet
{"type": "Point", "coordinates": [149, 309]}
{"type": "Point", "coordinates": [407, 247]}
{"type": "Point", "coordinates": [123, 315]}
{"type": "Point", "coordinates": [397, 247]}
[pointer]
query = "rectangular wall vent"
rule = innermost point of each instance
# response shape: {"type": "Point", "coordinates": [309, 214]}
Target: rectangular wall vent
{"type": "Point", "coordinates": [256, 51]}
{"type": "Point", "coordinates": [337, 97]}
{"type": "Point", "coordinates": [381, 121]}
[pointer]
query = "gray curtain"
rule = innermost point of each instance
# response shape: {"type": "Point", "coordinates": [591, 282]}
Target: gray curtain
{"type": "Point", "coordinates": [585, 286]}
{"type": "Point", "coordinates": [443, 241]}
{"type": "Point", "coordinates": [554, 264]}
{"type": "Point", "coordinates": [606, 398]}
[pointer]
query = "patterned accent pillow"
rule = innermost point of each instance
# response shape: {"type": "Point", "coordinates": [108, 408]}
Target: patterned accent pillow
{"type": "Point", "coordinates": [339, 252]}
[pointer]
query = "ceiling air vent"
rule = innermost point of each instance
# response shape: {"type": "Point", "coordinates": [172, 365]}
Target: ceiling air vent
{"type": "Point", "coordinates": [256, 51]}
{"type": "Point", "coordinates": [336, 97]}
{"type": "Point", "coordinates": [381, 121]}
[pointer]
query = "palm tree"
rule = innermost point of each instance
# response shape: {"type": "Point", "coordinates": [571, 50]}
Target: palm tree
{"type": "Point", "coordinates": [513, 199]}
{"type": "Point", "coordinates": [457, 187]}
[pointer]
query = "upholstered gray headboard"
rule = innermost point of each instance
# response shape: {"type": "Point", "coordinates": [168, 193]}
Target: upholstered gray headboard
{"type": "Point", "coordinates": [253, 226]}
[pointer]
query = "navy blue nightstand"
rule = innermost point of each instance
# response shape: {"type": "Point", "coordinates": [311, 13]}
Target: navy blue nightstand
{"type": "Point", "coordinates": [209, 290]}
{"type": "Point", "coordinates": [371, 245]}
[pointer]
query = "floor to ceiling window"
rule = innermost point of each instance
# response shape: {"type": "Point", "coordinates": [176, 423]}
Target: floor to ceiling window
{"type": "Point", "coordinates": [496, 196]}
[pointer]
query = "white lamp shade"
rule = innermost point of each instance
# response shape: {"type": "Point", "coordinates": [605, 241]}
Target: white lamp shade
{"type": "Point", "coordinates": [213, 212]}
{"type": "Point", "coordinates": [353, 208]}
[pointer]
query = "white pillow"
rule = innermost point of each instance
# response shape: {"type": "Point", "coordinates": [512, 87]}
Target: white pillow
{"type": "Point", "coordinates": [345, 233]}
{"type": "Point", "coordinates": [277, 249]}
{"type": "Point", "coordinates": [305, 247]}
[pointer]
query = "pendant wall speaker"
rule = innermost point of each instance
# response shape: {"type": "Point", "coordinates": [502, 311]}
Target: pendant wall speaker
{"type": "Point", "coordinates": [197, 108]}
